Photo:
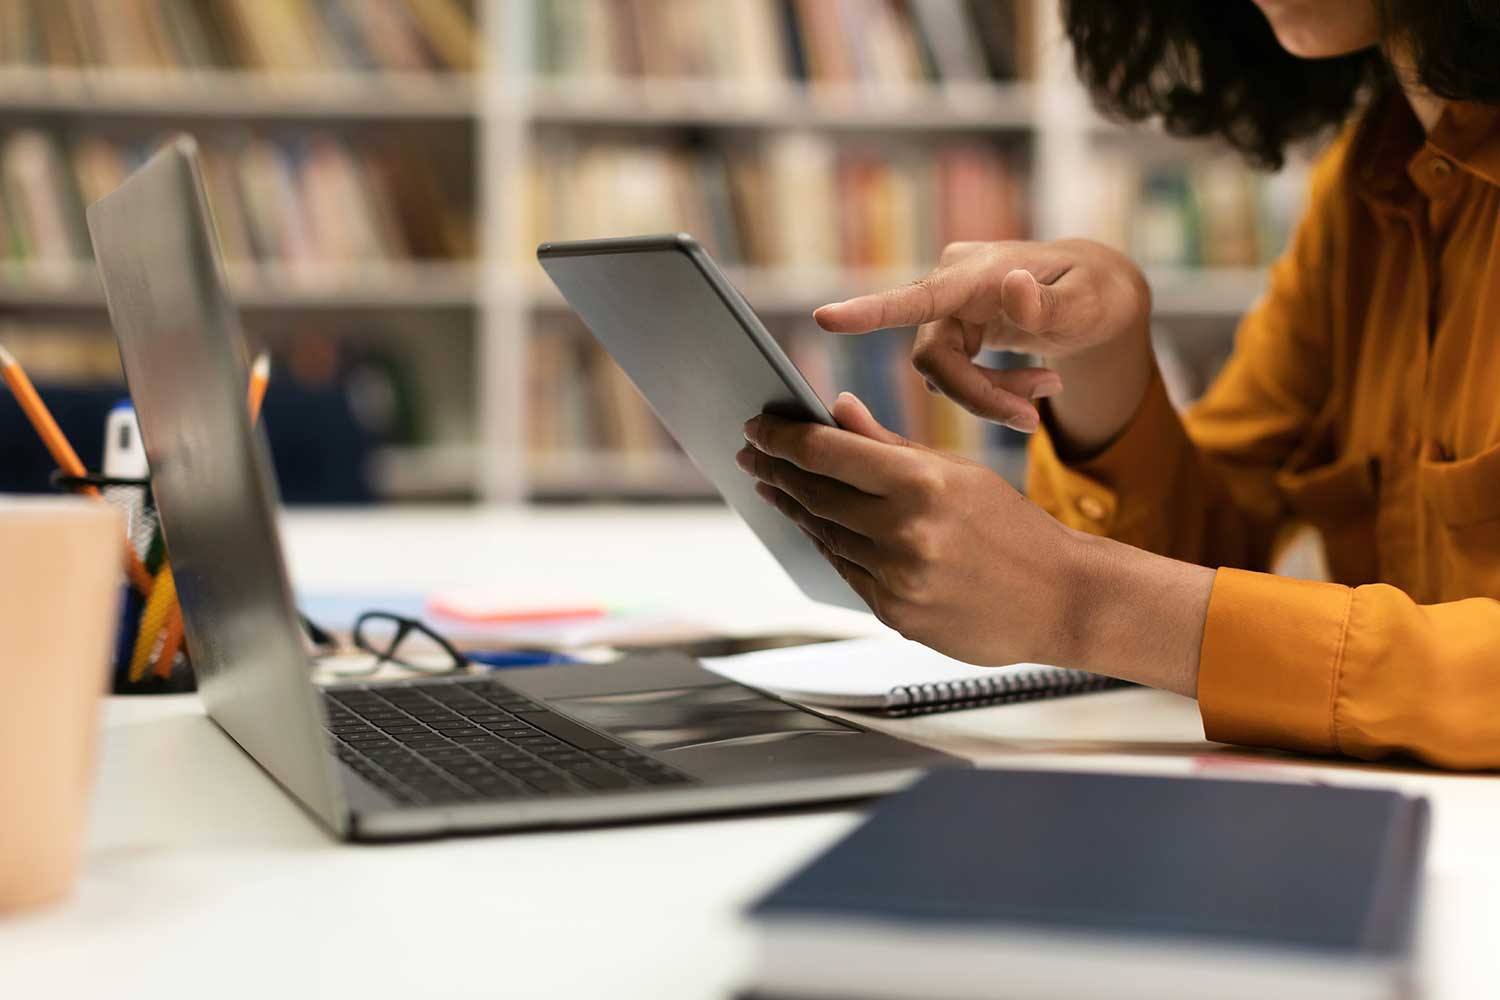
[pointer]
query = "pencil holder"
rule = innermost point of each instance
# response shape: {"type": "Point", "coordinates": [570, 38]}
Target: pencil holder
{"type": "Point", "coordinates": [150, 656]}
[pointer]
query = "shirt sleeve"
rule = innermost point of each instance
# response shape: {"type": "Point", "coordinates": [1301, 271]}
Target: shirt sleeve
{"type": "Point", "coordinates": [1203, 486]}
{"type": "Point", "coordinates": [1364, 671]}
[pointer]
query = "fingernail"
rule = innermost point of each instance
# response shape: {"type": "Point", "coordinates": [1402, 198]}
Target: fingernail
{"type": "Point", "coordinates": [744, 459]}
{"type": "Point", "coordinates": [752, 427]}
{"type": "Point", "coordinates": [1046, 389]}
{"type": "Point", "coordinates": [1026, 424]}
{"type": "Point", "coordinates": [931, 388]}
{"type": "Point", "coordinates": [830, 305]}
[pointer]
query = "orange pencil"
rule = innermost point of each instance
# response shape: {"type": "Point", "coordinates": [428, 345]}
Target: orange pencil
{"type": "Point", "coordinates": [62, 452]}
{"type": "Point", "coordinates": [260, 378]}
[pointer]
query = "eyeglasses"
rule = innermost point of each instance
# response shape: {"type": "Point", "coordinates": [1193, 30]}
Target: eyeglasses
{"type": "Point", "coordinates": [390, 638]}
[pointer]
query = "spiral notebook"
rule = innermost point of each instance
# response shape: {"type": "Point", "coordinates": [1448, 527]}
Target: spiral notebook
{"type": "Point", "coordinates": [897, 677]}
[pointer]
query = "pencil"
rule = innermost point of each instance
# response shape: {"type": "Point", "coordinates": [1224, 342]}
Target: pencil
{"type": "Point", "coordinates": [154, 624]}
{"type": "Point", "coordinates": [171, 638]}
{"type": "Point", "coordinates": [62, 452]}
{"type": "Point", "coordinates": [260, 378]}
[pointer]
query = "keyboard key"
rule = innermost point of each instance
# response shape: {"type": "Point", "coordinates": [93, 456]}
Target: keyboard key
{"type": "Point", "coordinates": [511, 732]}
{"type": "Point", "coordinates": [488, 719]}
{"type": "Point", "coordinates": [620, 754]}
{"type": "Point", "coordinates": [561, 757]}
{"type": "Point", "coordinates": [361, 739]}
{"type": "Point", "coordinates": [548, 782]}
{"type": "Point", "coordinates": [598, 775]}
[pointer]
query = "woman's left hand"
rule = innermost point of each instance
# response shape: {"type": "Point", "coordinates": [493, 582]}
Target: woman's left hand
{"type": "Point", "coordinates": [947, 553]}
{"type": "Point", "coordinates": [942, 549]}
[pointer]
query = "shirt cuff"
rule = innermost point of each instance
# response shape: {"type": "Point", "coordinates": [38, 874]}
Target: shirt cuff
{"type": "Point", "coordinates": [1139, 464]}
{"type": "Point", "coordinates": [1268, 670]}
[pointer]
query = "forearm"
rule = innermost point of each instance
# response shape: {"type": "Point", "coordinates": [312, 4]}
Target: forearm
{"type": "Point", "coordinates": [1131, 614]}
{"type": "Point", "coordinates": [1100, 392]}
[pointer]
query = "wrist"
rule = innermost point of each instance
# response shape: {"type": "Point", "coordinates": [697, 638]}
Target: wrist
{"type": "Point", "coordinates": [1101, 391]}
{"type": "Point", "coordinates": [1131, 614]}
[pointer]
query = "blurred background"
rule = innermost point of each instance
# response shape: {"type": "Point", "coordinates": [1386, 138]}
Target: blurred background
{"type": "Point", "coordinates": [381, 170]}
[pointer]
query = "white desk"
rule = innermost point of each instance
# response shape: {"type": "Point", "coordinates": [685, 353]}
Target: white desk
{"type": "Point", "coordinates": [203, 879]}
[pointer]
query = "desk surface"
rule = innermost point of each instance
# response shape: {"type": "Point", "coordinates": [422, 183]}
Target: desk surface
{"type": "Point", "coordinates": [207, 878]}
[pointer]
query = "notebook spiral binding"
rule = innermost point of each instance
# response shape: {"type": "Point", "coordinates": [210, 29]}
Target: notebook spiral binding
{"type": "Point", "coordinates": [947, 696]}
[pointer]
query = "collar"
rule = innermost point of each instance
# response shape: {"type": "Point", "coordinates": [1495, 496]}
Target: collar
{"type": "Point", "coordinates": [1392, 155]}
{"type": "Point", "coordinates": [1469, 134]}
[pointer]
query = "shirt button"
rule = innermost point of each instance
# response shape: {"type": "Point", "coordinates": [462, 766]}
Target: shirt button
{"type": "Point", "coordinates": [1440, 168]}
{"type": "Point", "coordinates": [1092, 507]}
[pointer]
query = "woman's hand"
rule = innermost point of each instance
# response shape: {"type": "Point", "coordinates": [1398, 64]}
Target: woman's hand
{"type": "Point", "coordinates": [944, 551]}
{"type": "Point", "coordinates": [1082, 306]}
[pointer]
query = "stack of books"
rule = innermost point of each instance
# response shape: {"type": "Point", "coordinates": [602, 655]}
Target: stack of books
{"type": "Point", "coordinates": [300, 203]}
{"type": "Point", "coordinates": [1203, 213]}
{"type": "Point", "coordinates": [799, 201]}
{"type": "Point", "coordinates": [266, 35]}
{"type": "Point", "coordinates": [769, 43]}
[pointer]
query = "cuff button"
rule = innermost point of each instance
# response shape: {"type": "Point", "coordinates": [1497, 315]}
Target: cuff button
{"type": "Point", "coordinates": [1092, 507]}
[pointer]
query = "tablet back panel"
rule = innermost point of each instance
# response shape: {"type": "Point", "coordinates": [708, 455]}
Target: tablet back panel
{"type": "Point", "coordinates": [705, 364]}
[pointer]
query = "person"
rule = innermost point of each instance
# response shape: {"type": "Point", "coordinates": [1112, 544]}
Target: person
{"type": "Point", "coordinates": [1362, 397]}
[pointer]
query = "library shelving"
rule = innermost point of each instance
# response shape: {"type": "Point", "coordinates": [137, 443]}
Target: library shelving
{"type": "Point", "coordinates": [495, 114]}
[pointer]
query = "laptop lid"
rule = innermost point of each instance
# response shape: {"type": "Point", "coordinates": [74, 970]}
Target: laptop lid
{"type": "Point", "coordinates": [183, 354]}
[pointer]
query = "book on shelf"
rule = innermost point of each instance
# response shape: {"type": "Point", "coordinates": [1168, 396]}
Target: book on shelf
{"type": "Point", "coordinates": [302, 203]}
{"type": "Point", "coordinates": [55, 354]}
{"type": "Point", "coordinates": [794, 201]}
{"type": "Point", "coordinates": [419, 36]}
{"type": "Point", "coordinates": [579, 403]}
{"type": "Point", "coordinates": [763, 45]}
{"type": "Point", "coordinates": [1199, 213]}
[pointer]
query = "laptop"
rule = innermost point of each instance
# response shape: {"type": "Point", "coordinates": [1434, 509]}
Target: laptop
{"type": "Point", "coordinates": [645, 737]}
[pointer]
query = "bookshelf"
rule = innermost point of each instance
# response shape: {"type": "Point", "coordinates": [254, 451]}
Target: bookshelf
{"type": "Point", "coordinates": [477, 318]}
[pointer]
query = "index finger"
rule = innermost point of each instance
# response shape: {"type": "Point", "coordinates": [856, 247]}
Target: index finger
{"type": "Point", "coordinates": [939, 293]}
{"type": "Point", "coordinates": [868, 465]}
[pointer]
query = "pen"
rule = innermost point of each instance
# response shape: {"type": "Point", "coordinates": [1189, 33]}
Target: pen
{"type": "Point", "coordinates": [499, 659]}
{"type": "Point", "coordinates": [62, 452]}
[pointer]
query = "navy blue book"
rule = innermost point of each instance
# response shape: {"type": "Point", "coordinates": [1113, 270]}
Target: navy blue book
{"type": "Point", "coordinates": [978, 884]}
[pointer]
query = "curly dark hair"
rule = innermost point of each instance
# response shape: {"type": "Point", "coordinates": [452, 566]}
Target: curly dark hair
{"type": "Point", "coordinates": [1215, 67]}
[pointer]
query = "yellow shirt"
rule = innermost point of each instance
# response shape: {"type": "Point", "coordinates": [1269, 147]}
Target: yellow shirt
{"type": "Point", "coordinates": [1363, 398]}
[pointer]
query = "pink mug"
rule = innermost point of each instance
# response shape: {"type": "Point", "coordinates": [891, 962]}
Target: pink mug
{"type": "Point", "coordinates": [60, 579]}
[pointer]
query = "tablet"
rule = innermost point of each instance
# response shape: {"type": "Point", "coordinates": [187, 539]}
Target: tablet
{"type": "Point", "coordinates": [693, 347]}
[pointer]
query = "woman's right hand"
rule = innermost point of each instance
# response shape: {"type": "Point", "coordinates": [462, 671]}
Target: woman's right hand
{"type": "Point", "coordinates": [1078, 304]}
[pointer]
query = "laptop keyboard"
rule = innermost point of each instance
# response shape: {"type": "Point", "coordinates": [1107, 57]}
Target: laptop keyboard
{"type": "Point", "coordinates": [477, 740]}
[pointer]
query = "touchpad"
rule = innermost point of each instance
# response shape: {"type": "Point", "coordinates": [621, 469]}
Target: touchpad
{"type": "Point", "coordinates": [699, 716]}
